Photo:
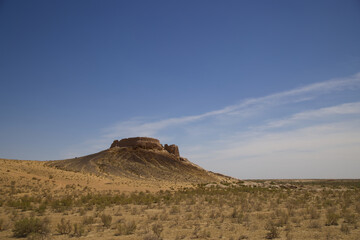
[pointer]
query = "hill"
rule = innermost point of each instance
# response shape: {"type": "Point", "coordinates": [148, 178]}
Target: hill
{"type": "Point", "coordinates": [139, 158]}
{"type": "Point", "coordinates": [134, 164]}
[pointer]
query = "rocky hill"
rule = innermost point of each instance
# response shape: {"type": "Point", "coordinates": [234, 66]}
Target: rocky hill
{"type": "Point", "coordinates": [139, 158]}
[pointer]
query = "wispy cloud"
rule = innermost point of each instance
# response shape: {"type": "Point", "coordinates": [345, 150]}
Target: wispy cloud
{"type": "Point", "coordinates": [328, 150]}
{"type": "Point", "coordinates": [246, 107]}
{"type": "Point", "coordinates": [341, 109]}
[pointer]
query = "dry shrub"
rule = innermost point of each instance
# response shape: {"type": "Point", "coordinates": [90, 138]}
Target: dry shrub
{"type": "Point", "coordinates": [314, 224]}
{"type": "Point", "coordinates": [106, 220]}
{"type": "Point", "coordinates": [357, 208]}
{"type": "Point", "coordinates": [164, 216]}
{"type": "Point", "coordinates": [329, 236]}
{"type": "Point", "coordinates": [179, 237]}
{"type": "Point", "coordinates": [157, 228]}
{"type": "Point", "coordinates": [82, 211]}
{"type": "Point", "coordinates": [87, 220]}
{"type": "Point", "coordinates": [134, 211]}
{"type": "Point", "coordinates": [283, 219]}
{"type": "Point", "coordinates": [2, 225]}
{"type": "Point", "coordinates": [273, 231]}
{"type": "Point", "coordinates": [174, 210]}
{"type": "Point", "coordinates": [203, 234]}
{"type": "Point", "coordinates": [27, 226]}
{"type": "Point", "coordinates": [345, 228]}
{"type": "Point", "coordinates": [289, 236]}
{"type": "Point", "coordinates": [125, 228]}
{"type": "Point", "coordinates": [64, 227]}
{"type": "Point", "coordinates": [331, 217]}
{"type": "Point", "coordinates": [151, 237]}
{"type": "Point", "coordinates": [79, 230]}
{"type": "Point", "coordinates": [314, 214]}
{"type": "Point", "coordinates": [350, 218]}
{"type": "Point", "coordinates": [237, 216]}
{"type": "Point", "coordinates": [242, 237]}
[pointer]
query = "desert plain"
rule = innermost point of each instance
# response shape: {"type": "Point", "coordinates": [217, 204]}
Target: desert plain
{"type": "Point", "coordinates": [47, 200]}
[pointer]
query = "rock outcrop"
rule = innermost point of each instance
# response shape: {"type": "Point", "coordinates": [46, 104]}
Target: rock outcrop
{"type": "Point", "coordinates": [173, 149]}
{"type": "Point", "coordinates": [146, 143]}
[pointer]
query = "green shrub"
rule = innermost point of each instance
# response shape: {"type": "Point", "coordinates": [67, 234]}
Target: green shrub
{"type": "Point", "coordinates": [26, 226]}
{"type": "Point", "coordinates": [64, 227]}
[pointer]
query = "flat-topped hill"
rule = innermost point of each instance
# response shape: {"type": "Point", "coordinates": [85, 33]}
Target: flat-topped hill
{"type": "Point", "coordinates": [139, 158]}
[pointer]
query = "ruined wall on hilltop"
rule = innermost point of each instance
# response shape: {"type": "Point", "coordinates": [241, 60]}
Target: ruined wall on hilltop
{"type": "Point", "coordinates": [146, 143]}
{"type": "Point", "coordinates": [141, 142]}
{"type": "Point", "coordinates": [173, 149]}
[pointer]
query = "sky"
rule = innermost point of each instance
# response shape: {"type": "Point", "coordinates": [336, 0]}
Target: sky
{"type": "Point", "coordinates": [251, 89]}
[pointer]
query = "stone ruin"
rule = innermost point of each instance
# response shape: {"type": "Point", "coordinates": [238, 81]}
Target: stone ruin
{"type": "Point", "coordinates": [146, 143]}
{"type": "Point", "coordinates": [141, 142]}
{"type": "Point", "coordinates": [172, 149]}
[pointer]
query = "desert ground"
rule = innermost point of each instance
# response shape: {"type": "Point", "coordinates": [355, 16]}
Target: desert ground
{"type": "Point", "coordinates": [41, 202]}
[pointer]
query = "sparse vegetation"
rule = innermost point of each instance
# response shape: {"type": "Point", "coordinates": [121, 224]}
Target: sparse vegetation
{"type": "Point", "coordinates": [27, 226]}
{"type": "Point", "coordinates": [230, 210]}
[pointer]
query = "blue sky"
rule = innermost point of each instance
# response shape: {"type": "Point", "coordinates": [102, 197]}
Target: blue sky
{"type": "Point", "coordinates": [253, 89]}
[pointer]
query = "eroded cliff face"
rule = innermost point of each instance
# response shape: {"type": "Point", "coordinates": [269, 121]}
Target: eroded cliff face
{"type": "Point", "coordinates": [146, 143]}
